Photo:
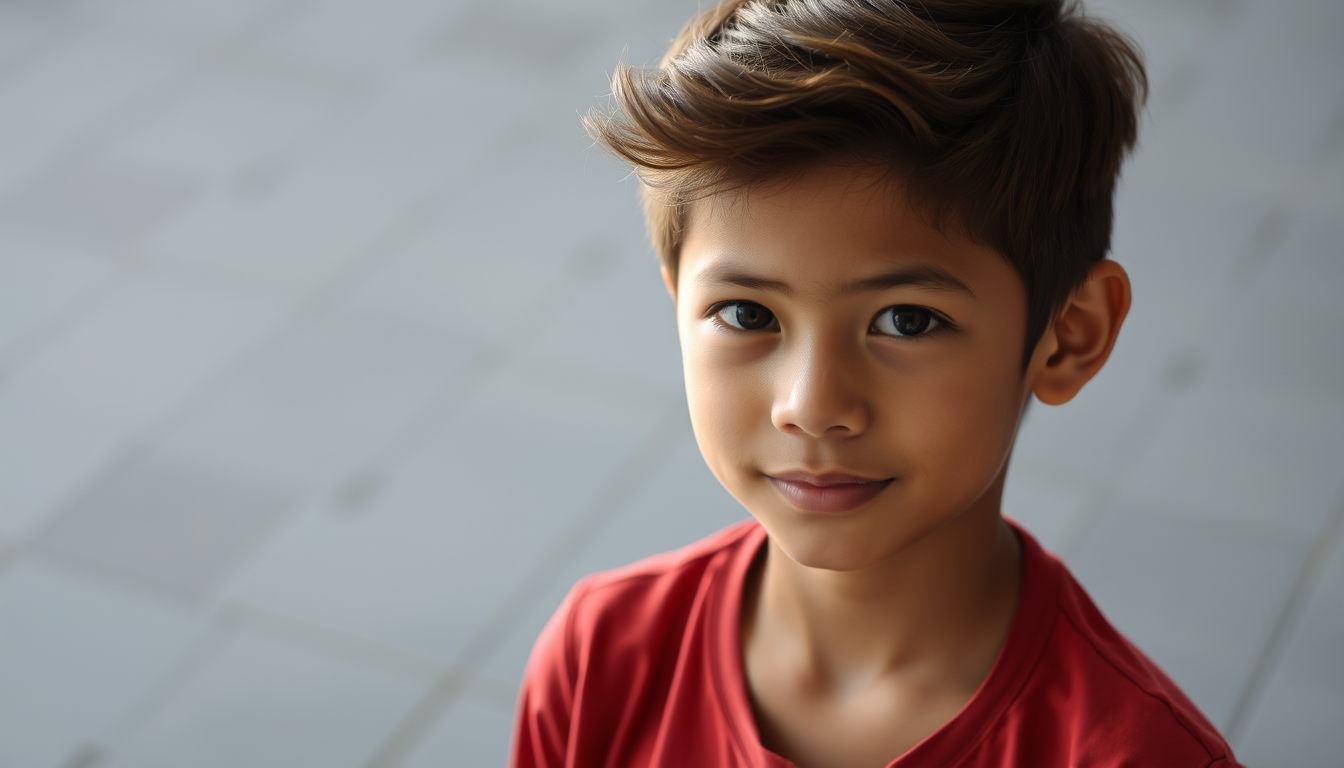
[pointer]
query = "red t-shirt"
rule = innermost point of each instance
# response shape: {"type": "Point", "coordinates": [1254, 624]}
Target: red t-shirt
{"type": "Point", "coordinates": [642, 666]}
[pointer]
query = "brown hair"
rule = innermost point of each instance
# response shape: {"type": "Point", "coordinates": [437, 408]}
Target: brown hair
{"type": "Point", "coordinates": [1008, 119]}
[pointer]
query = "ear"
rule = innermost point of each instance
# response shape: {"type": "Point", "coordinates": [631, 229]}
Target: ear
{"type": "Point", "coordinates": [1075, 346]}
{"type": "Point", "coordinates": [670, 283]}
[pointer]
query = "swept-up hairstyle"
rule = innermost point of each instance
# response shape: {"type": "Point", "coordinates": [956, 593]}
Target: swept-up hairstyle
{"type": "Point", "coordinates": [1006, 119]}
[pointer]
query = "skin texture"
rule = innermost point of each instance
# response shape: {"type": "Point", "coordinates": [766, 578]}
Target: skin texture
{"type": "Point", "coordinates": [869, 624]}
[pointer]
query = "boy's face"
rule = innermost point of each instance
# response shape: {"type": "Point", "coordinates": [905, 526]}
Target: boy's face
{"type": "Point", "coordinates": [854, 375]}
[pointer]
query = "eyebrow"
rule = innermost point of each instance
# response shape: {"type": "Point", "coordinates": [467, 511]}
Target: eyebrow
{"type": "Point", "coordinates": [733, 276]}
{"type": "Point", "coordinates": [923, 275]}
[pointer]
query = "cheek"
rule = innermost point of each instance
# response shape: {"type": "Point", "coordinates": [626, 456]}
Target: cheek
{"type": "Point", "coordinates": [961, 428]}
{"type": "Point", "coordinates": [728, 404]}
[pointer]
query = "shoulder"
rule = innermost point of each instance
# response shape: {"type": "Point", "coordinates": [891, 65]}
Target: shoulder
{"type": "Point", "coordinates": [1146, 694]}
{"type": "Point", "coordinates": [643, 597]}
{"type": "Point", "coordinates": [622, 615]}
{"type": "Point", "coordinates": [1105, 701]}
{"type": "Point", "coordinates": [609, 654]}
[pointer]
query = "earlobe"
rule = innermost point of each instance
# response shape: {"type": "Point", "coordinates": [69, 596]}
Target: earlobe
{"type": "Point", "coordinates": [1077, 344]}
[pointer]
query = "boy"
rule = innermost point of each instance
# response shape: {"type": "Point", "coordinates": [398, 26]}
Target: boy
{"type": "Point", "coordinates": [884, 225]}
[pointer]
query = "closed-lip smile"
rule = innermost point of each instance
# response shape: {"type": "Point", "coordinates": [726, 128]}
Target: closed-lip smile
{"type": "Point", "coordinates": [829, 492]}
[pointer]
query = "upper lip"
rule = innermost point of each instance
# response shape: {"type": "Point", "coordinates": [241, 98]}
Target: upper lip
{"type": "Point", "coordinates": [823, 479]}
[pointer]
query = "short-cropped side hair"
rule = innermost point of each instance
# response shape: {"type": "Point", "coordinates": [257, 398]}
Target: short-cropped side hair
{"type": "Point", "coordinates": [1006, 119]}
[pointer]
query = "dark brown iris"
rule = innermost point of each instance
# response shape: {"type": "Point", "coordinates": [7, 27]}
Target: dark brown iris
{"type": "Point", "coordinates": [754, 317]}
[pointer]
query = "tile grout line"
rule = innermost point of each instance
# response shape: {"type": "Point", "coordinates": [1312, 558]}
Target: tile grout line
{"type": "Point", "coordinates": [625, 482]}
{"type": "Point", "coordinates": [121, 119]}
{"type": "Point", "coordinates": [352, 648]}
{"type": "Point", "coordinates": [394, 750]}
{"type": "Point", "coordinates": [221, 54]}
{"type": "Point", "coordinates": [1141, 431]}
{"type": "Point", "coordinates": [122, 273]}
{"type": "Point", "coordinates": [402, 226]}
{"type": "Point", "coordinates": [487, 359]}
{"type": "Point", "coordinates": [217, 55]}
{"type": "Point", "coordinates": [212, 640]}
{"type": "Point", "coordinates": [234, 619]}
{"type": "Point", "coordinates": [1262, 242]}
{"type": "Point", "coordinates": [1104, 491]}
{"type": "Point", "coordinates": [9, 553]}
{"type": "Point", "coordinates": [358, 650]}
{"type": "Point", "coordinates": [108, 575]}
{"type": "Point", "coordinates": [1290, 617]}
{"type": "Point", "coordinates": [303, 309]}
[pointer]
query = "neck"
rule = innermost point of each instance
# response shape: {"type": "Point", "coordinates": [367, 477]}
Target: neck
{"type": "Point", "coordinates": [937, 612]}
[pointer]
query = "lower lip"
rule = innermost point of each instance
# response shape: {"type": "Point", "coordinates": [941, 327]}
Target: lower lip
{"type": "Point", "coordinates": [828, 498]}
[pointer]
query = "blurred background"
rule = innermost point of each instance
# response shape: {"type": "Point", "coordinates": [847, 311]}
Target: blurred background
{"type": "Point", "coordinates": [331, 355]}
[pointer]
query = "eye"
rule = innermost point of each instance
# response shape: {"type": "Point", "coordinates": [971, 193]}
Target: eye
{"type": "Point", "coordinates": [747, 316]}
{"type": "Point", "coordinates": [905, 320]}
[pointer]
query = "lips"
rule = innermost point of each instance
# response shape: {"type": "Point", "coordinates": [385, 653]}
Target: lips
{"type": "Point", "coordinates": [827, 492]}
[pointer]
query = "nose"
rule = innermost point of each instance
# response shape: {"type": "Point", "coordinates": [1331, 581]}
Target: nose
{"type": "Point", "coordinates": [819, 393]}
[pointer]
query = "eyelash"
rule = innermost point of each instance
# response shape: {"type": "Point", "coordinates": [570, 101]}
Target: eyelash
{"type": "Point", "coordinates": [944, 325]}
{"type": "Point", "coordinates": [716, 309]}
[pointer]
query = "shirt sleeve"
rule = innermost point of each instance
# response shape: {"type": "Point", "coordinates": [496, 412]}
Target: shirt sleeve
{"type": "Point", "coordinates": [541, 729]}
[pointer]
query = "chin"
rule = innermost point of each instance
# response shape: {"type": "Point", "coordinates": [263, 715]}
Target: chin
{"type": "Point", "coordinates": [829, 547]}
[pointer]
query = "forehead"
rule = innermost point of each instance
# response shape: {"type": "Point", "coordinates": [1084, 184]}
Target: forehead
{"type": "Point", "coordinates": [827, 226]}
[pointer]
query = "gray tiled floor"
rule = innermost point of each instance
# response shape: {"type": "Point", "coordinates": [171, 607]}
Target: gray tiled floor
{"type": "Point", "coordinates": [261, 703]}
{"type": "Point", "coordinates": [319, 404]}
{"type": "Point", "coordinates": [176, 524]}
{"type": "Point", "coordinates": [128, 359]}
{"type": "Point", "coordinates": [469, 734]}
{"type": "Point", "coordinates": [41, 282]}
{"type": "Point", "coordinates": [77, 656]}
{"type": "Point", "coordinates": [1296, 719]}
{"type": "Point", "coordinates": [1192, 594]}
{"type": "Point", "coordinates": [454, 528]}
{"type": "Point", "coordinates": [313, 283]}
